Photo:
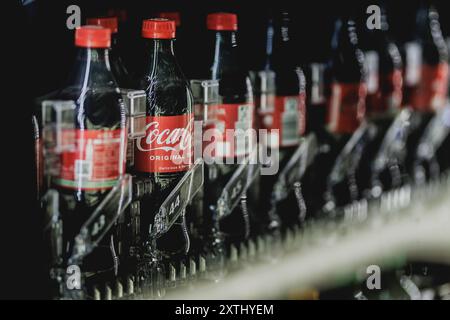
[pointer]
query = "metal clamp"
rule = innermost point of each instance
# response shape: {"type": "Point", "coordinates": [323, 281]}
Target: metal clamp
{"type": "Point", "coordinates": [175, 204]}
{"type": "Point", "coordinates": [237, 186]}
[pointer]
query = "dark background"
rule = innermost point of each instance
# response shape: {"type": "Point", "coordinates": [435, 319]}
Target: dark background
{"type": "Point", "coordinates": [39, 55]}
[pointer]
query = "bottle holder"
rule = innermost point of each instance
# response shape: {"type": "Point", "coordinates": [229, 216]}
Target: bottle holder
{"type": "Point", "coordinates": [392, 151]}
{"type": "Point", "coordinates": [347, 162]}
{"type": "Point", "coordinates": [174, 206]}
{"type": "Point", "coordinates": [432, 140]}
{"type": "Point", "coordinates": [136, 106]}
{"type": "Point", "coordinates": [151, 279]}
{"type": "Point", "coordinates": [290, 177]}
{"type": "Point", "coordinates": [236, 188]}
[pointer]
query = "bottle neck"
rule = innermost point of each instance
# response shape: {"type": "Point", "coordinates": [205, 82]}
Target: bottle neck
{"type": "Point", "coordinates": [225, 54]}
{"type": "Point", "coordinates": [92, 65]}
{"type": "Point", "coordinates": [157, 50]}
{"type": "Point", "coordinates": [348, 59]}
{"type": "Point", "coordinates": [429, 32]}
{"type": "Point", "coordinates": [345, 36]}
{"type": "Point", "coordinates": [279, 44]}
{"type": "Point", "coordinates": [164, 46]}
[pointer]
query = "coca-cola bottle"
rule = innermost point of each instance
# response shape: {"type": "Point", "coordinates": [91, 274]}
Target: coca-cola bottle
{"type": "Point", "coordinates": [432, 157]}
{"type": "Point", "coordinates": [426, 64]}
{"type": "Point", "coordinates": [118, 68]}
{"type": "Point", "coordinates": [286, 111]}
{"type": "Point", "coordinates": [384, 79]}
{"type": "Point", "coordinates": [235, 111]}
{"type": "Point", "coordinates": [280, 100]}
{"type": "Point", "coordinates": [431, 92]}
{"type": "Point", "coordinates": [317, 90]}
{"type": "Point", "coordinates": [165, 154]}
{"type": "Point", "coordinates": [97, 161]}
{"type": "Point", "coordinates": [346, 103]}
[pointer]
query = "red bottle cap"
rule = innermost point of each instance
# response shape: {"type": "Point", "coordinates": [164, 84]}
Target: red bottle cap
{"type": "Point", "coordinates": [222, 22]}
{"type": "Point", "coordinates": [175, 16]}
{"type": "Point", "coordinates": [92, 37]}
{"type": "Point", "coordinates": [110, 23]}
{"type": "Point", "coordinates": [158, 29]}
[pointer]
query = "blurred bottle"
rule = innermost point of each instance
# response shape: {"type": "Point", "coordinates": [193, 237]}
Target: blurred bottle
{"type": "Point", "coordinates": [430, 93]}
{"type": "Point", "coordinates": [314, 58]}
{"type": "Point", "coordinates": [284, 108]}
{"type": "Point", "coordinates": [426, 80]}
{"type": "Point", "coordinates": [432, 157]}
{"type": "Point", "coordinates": [383, 71]}
{"type": "Point", "coordinates": [280, 101]}
{"type": "Point", "coordinates": [164, 155]}
{"type": "Point", "coordinates": [86, 175]}
{"type": "Point", "coordinates": [346, 102]}
{"type": "Point", "coordinates": [118, 68]}
{"type": "Point", "coordinates": [235, 111]}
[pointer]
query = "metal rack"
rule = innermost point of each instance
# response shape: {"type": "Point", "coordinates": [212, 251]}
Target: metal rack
{"type": "Point", "coordinates": [410, 222]}
{"type": "Point", "coordinates": [404, 224]}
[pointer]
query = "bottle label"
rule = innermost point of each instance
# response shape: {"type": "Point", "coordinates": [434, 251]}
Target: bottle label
{"type": "Point", "coordinates": [388, 96]}
{"type": "Point", "coordinates": [233, 122]}
{"type": "Point", "coordinates": [346, 109]}
{"type": "Point", "coordinates": [167, 146]}
{"type": "Point", "coordinates": [97, 160]}
{"type": "Point", "coordinates": [288, 116]}
{"type": "Point", "coordinates": [431, 92]}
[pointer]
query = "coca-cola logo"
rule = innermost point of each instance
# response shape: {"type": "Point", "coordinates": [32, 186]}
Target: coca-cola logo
{"type": "Point", "coordinates": [166, 138]}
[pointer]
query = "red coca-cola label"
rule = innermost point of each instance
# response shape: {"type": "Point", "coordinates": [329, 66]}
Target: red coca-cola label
{"type": "Point", "coordinates": [96, 161]}
{"type": "Point", "coordinates": [288, 117]}
{"type": "Point", "coordinates": [388, 95]}
{"type": "Point", "coordinates": [346, 107]}
{"type": "Point", "coordinates": [237, 119]}
{"type": "Point", "coordinates": [167, 146]}
{"type": "Point", "coordinates": [430, 93]}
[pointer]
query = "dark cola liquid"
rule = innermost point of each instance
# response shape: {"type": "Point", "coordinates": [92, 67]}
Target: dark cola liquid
{"type": "Point", "coordinates": [118, 68]}
{"type": "Point", "coordinates": [99, 106]}
{"type": "Point", "coordinates": [168, 94]}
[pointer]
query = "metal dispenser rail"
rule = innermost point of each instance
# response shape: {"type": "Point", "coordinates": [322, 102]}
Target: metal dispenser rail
{"type": "Point", "coordinates": [151, 274]}
{"type": "Point", "coordinates": [104, 216]}
{"type": "Point", "coordinates": [290, 177]}
{"type": "Point", "coordinates": [174, 206]}
{"type": "Point", "coordinates": [236, 188]}
{"type": "Point", "coordinates": [327, 252]}
{"type": "Point", "coordinates": [346, 165]}
{"type": "Point", "coordinates": [392, 152]}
